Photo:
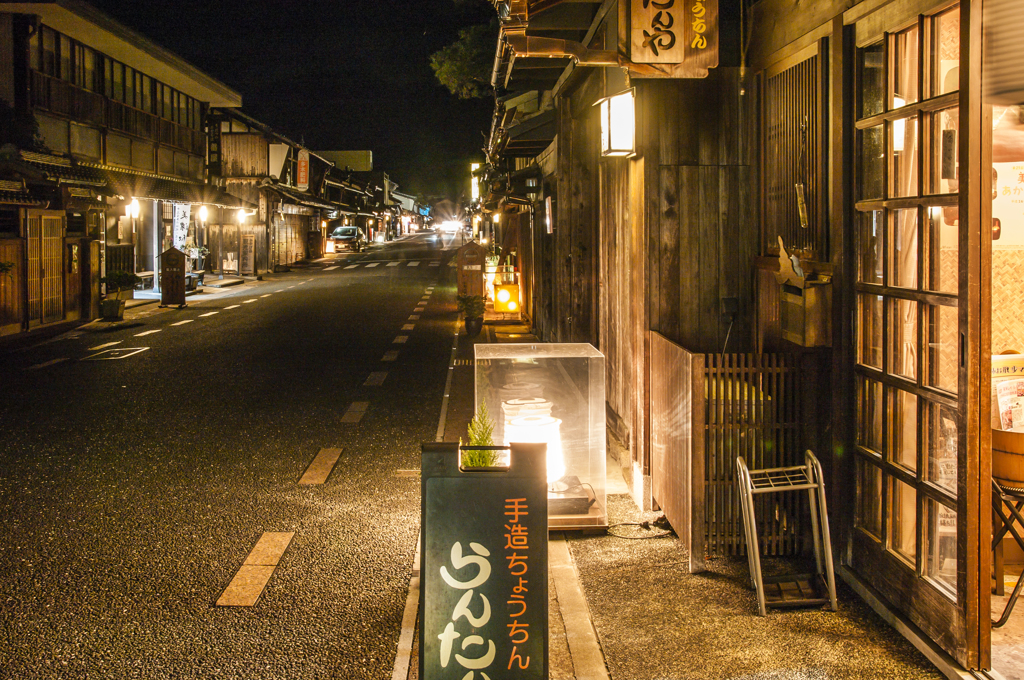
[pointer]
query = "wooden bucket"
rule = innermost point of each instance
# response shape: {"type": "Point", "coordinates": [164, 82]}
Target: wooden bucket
{"type": "Point", "coordinates": [1008, 457]}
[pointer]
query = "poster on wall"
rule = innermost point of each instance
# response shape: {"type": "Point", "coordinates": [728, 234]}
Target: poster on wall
{"type": "Point", "coordinates": [1008, 205]}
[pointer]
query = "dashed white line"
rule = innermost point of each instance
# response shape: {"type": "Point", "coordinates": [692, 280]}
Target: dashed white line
{"type": "Point", "coordinates": [376, 379]}
{"type": "Point", "coordinates": [390, 356]}
{"type": "Point", "coordinates": [409, 327]}
{"type": "Point", "coordinates": [104, 345]}
{"type": "Point", "coordinates": [330, 269]}
{"type": "Point", "coordinates": [267, 295]}
{"type": "Point", "coordinates": [400, 340]}
{"type": "Point", "coordinates": [351, 266]}
{"type": "Point", "coordinates": [182, 323]}
{"type": "Point", "coordinates": [209, 314]}
{"type": "Point", "coordinates": [232, 306]}
{"type": "Point", "coordinates": [245, 302]}
{"type": "Point", "coordinates": [373, 264]}
{"type": "Point", "coordinates": [279, 290]}
{"type": "Point", "coordinates": [414, 317]}
{"type": "Point", "coordinates": [435, 264]}
{"type": "Point", "coordinates": [155, 330]}
{"type": "Point", "coordinates": [418, 309]}
{"type": "Point", "coordinates": [45, 364]}
{"type": "Point", "coordinates": [290, 287]}
{"type": "Point", "coordinates": [355, 412]}
{"type": "Point", "coordinates": [414, 264]}
{"type": "Point", "coordinates": [393, 264]}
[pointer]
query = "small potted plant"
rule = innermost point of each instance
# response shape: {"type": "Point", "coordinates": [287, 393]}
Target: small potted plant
{"type": "Point", "coordinates": [113, 309]}
{"type": "Point", "coordinates": [472, 307]}
{"type": "Point", "coordinates": [481, 433]}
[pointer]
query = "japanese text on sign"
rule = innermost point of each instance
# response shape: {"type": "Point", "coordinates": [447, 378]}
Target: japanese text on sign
{"type": "Point", "coordinates": [517, 546]}
{"type": "Point", "coordinates": [475, 659]}
{"type": "Point", "coordinates": [675, 32]}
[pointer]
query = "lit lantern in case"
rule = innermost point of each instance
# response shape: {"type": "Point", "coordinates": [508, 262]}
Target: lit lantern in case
{"type": "Point", "coordinates": [618, 124]}
{"type": "Point", "coordinates": [506, 297]}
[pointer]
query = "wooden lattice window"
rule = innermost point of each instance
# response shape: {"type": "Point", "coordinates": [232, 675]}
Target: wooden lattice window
{"type": "Point", "coordinates": [793, 158]}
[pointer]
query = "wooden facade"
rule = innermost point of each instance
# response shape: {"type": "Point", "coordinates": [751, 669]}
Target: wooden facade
{"type": "Point", "coordinates": [668, 261]}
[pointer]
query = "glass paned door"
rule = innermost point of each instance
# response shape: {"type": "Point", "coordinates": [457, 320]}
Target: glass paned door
{"type": "Point", "coordinates": [907, 320]}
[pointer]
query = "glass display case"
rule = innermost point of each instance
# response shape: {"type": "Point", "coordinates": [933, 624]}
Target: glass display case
{"type": "Point", "coordinates": [552, 393]}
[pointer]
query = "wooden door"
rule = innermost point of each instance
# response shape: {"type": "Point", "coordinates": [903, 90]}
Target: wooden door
{"type": "Point", "coordinates": [919, 501]}
{"type": "Point", "coordinates": [45, 236]}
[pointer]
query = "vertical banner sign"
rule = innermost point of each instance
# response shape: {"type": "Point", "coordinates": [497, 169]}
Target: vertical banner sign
{"type": "Point", "coordinates": [182, 215]}
{"type": "Point", "coordinates": [678, 32]}
{"type": "Point", "coordinates": [484, 567]}
{"type": "Point", "coordinates": [302, 173]}
{"type": "Point", "coordinates": [248, 253]}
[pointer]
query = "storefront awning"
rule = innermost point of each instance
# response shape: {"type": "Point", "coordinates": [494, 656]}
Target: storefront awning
{"type": "Point", "coordinates": [297, 197]}
{"type": "Point", "coordinates": [131, 185]}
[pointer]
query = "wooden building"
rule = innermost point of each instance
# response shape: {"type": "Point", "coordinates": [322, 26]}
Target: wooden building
{"type": "Point", "coordinates": [797, 251]}
{"type": "Point", "coordinates": [106, 165]}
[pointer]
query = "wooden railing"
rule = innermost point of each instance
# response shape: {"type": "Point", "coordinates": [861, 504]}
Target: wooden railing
{"type": "Point", "coordinates": [707, 409]}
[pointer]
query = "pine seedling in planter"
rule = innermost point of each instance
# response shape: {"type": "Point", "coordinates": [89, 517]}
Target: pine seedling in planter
{"type": "Point", "coordinates": [481, 433]}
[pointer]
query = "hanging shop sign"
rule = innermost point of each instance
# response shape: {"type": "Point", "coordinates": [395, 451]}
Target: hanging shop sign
{"type": "Point", "coordinates": [302, 172]}
{"type": "Point", "coordinates": [484, 575]}
{"type": "Point", "coordinates": [682, 34]}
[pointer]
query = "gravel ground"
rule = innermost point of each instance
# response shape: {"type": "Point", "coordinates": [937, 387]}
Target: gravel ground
{"type": "Point", "coordinates": [658, 622]}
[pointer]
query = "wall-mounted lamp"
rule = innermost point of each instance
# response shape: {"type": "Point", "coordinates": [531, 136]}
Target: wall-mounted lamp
{"type": "Point", "coordinates": [203, 213]}
{"type": "Point", "coordinates": [618, 124]}
{"type": "Point", "coordinates": [506, 297]}
{"type": "Point", "coordinates": [132, 209]}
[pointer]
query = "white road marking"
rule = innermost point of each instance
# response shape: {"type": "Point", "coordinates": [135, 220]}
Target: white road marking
{"type": "Point", "coordinates": [330, 269]}
{"type": "Point", "coordinates": [279, 290]}
{"type": "Point", "coordinates": [373, 264]}
{"type": "Point", "coordinates": [111, 354]}
{"type": "Point", "coordinates": [376, 379]}
{"type": "Point", "coordinates": [232, 306]}
{"type": "Point", "coordinates": [355, 412]}
{"type": "Point", "coordinates": [252, 577]}
{"type": "Point", "coordinates": [393, 264]}
{"type": "Point", "coordinates": [400, 340]}
{"type": "Point", "coordinates": [351, 266]}
{"type": "Point", "coordinates": [302, 283]}
{"type": "Point", "coordinates": [155, 330]}
{"type": "Point", "coordinates": [290, 287]}
{"type": "Point", "coordinates": [320, 469]}
{"type": "Point", "coordinates": [182, 323]}
{"type": "Point", "coordinates": [408, 327]}
{"type": "Point", "coordinates": [104, 345]}
{"type": "Point", "coordinates": [414, 264]}
{"type": "Point", "coordinates": [414, 317]}
{"type": "Point", "coordinates": [418, 309]}
{"type": "Point", "coordinates": [209, 314]}
{"type": "Point", "coordinates": [46, 363]}
{"type": "Point", "coordinates": [245, 302]}
{"type": "Point", "coordinates": [435, 264]}
{"type": "Point", "coordinates": [390, 356]}
{"type": "Point", "coordinates": [267, 295]}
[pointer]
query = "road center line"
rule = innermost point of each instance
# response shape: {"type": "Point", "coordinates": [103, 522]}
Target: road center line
{"type": "Point", "coordinates": [330, 269]}
{"type": "Point", "coordinates": [45, 364]}
{"type": "Point", "coordinates": [321, 467]}
{"type": "Point", "coordinates": [245, 302]}
{"type": "Point", "coordinates": [373, 264]}
{"type": "Point", "coordinates": [419, 309]}
{"type": "Point", "coordinates": [414, 317]}
{"type": "Point", "coordinates": [103, 346]}
{"type": "Point", "coordinates": [408, 327]}
{"type": "Point", "coordinates": [390, 356]}
{"type": "Point", "coordinates": [376, 379]}
{"type": "Point", "coordinates": [400, 340]}
{"type": "Point", "coordinates": [182, 323]}
{"type": "Point", "coordinates": [267, 295]}
{"type": "Point", "coordinates": [355, 412]}
{"type": "Point", "coordinates": [414, 264]}
{"type": "Point", "coordinates": [393, 264]}
{"type": "Point", "coordinates": [232, 306]}
{"type": "Point", "coordinates": [252, 577]}
{"type": "Point", "coordinates": [351, 266]}
{"type": "Point", "coordinates": [209, 314]}
{"type": "Point", "coordinates": [156, 330]}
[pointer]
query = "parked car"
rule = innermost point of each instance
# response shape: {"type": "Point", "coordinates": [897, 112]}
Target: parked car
{"type": "Point", "coordinates": [346, 238]}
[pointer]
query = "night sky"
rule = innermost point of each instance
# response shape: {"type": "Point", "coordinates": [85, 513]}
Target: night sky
{"type": "Point", "coordinates": [336, 74]}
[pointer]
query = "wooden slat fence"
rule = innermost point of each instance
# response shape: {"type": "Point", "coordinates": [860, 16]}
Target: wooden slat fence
{"type": "Point", "coordinates": [11, 287]}
{"type": "Point", "coordinates": [707, 409]}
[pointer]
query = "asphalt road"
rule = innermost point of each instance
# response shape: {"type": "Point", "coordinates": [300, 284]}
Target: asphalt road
{"type": "Point", "coordinates": [132, 489]}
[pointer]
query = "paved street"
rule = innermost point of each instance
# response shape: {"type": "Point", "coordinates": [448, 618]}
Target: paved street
{"type": "Point", "coordinates": [140, 462]}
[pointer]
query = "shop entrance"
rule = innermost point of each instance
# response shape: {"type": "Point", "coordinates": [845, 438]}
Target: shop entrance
{"type": "Point", "coordinates": [45, 237]}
